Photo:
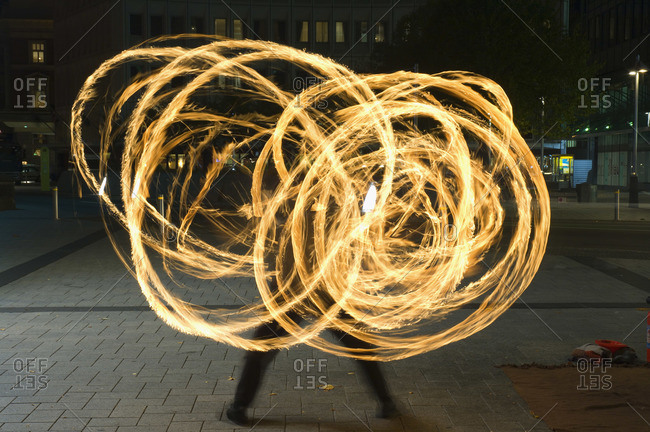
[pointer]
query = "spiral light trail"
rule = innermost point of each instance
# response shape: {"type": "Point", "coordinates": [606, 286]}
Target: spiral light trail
{"type": "Point", "coordinates": [394, 198]}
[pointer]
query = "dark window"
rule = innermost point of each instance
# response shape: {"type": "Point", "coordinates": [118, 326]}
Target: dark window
{"type": "Point", "coordinates": [136, 24]}
{"type": "Point", "coordinates": [598, 32]}
{"type": "Point", "coordinates": [629, 9]}
{"type": "Point", "coordinates": [196, 25]}
{"type": "Point", "coordinates": [259, 27]}
{"type": "Point", "coordinates": [638, 17]}
{"type": "Point", "coordinates": [156, 25]}
{"type": "Point", "coordinates": [280, 31]}
{"type": "Point", "coordinates": [361, 31]}
{"type": "Point", "coordinates": [620, 30]}
{"type": "Point", "coordinates": [177, 25]}
{"type": "Point", "coordinates": [606, 23]}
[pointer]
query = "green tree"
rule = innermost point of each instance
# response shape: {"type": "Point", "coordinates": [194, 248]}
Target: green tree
{"type": "Point", "coordinates": [519, 44]}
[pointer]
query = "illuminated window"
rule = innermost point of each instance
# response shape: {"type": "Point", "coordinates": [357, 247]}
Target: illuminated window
{"type": "Point", "coordinates": [380, 32]}
{"type": "Point", "coordinates": [171, 161]}
{"type": "Point", "coordinates": [38, 52]}
{"type": "Point", "coordinates": [175, 161]}
{"type": "Point", "coordinates": [220, 27]}
{"type": "Point", "coordinates": [340, 32]}
{"type": "Point", "coordinates": [237, 29]}
{"type": "Point", "coordinates": [321, 31]}
{"type": "Point", "coordinates": [303, 31]}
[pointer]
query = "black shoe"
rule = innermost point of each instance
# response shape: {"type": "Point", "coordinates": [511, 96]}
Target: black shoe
{"type": "Point", "coordinates": [387, 409]}
{"type": "Point", "coordinates": [237, 415]}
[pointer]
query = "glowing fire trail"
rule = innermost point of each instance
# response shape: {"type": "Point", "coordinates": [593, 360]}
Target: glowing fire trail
{"type": "Point", "coordinates": [387, 261]}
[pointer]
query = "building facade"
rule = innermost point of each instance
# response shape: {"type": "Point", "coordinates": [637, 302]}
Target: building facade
{"type": "Point", "coordinates": [618, 32]}
{"type": "Point", "coordinates": [26, 84]}
{"type": "Point", "coordinates": [346, 31]}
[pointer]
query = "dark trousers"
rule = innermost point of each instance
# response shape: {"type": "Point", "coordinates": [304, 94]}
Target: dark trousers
{"type": "Point", "coordinates": [256, 363]}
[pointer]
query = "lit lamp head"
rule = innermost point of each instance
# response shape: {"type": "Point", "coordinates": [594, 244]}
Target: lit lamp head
{"type": "Point", "coordinates": [639, 67]}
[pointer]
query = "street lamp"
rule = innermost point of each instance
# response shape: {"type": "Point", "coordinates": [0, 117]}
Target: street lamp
{"type": "Point", "coordinates": [639, 68]}
{"type": "Point", "coordinates": [541, 160]}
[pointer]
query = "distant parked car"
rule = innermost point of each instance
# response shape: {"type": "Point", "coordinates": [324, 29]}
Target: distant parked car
{"type": "Point", "coordinates": [30, 174]}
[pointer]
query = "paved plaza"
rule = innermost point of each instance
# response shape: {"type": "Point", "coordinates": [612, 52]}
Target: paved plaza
{"type": "Point", "coordinates": [81, 351]}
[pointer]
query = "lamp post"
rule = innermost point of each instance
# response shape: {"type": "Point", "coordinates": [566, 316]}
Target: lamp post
{"type": "Point", "coordinates": [639, 68]}
{"type": "Point", "coordinates": [541, 159]}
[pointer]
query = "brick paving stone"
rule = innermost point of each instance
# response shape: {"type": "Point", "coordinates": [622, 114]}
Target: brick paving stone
{"type": "Point", "coordinates": [302, 428]}
{"type": "Point", "coordinates": [153, 393]}
{"type": "Point", "coordinates": [127, 384]}
{"type": "Point", "coordinates": [346, 427]}
{"type": "Point", "coordinates": [155, 419]}
{"type": "Point", "coordinates": [180, 400]}
{"type": "Point", "coordinates": [71, 423]}
{"type": "Point", "coordinates": [376, 424]}
{"type": "Point", "coordinates": [206, 406]}
{"type": "Point", "coordinates": [98, 422]}
{"type": "Point", "coordinates": [196, 416]}
{"type": "Point", "coordinates": [420, 424]}
{"type": "Point", "coordinates": [14, 418]}
{"type": "Point", "coordinates": [120, 395]}
{"type": "Point", "coordinates": [17, 408]}
{"type": "Point", "coordinates": [42, 416]}
{"type": "Point", "coordinates": [25, 427]}
{"type": "Point", "coordinates": [181, 426]}
{"type": "Point", "coordinates": [167, 409]}
{"type": "Point", "coordinates": [348, 413]}
{"type": "Point", "coordinates": [217, 426]}
{"type": "Point", "coordinates": [134, 429]}
{"type": "Point", "coordinates": [85, 413]}
{"type": "Point", "coordinates": [124, 409]}
{"type": "Point", "coordinates": [189, 390]}
{"type": "Point", "coordinates": [98, 402]}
